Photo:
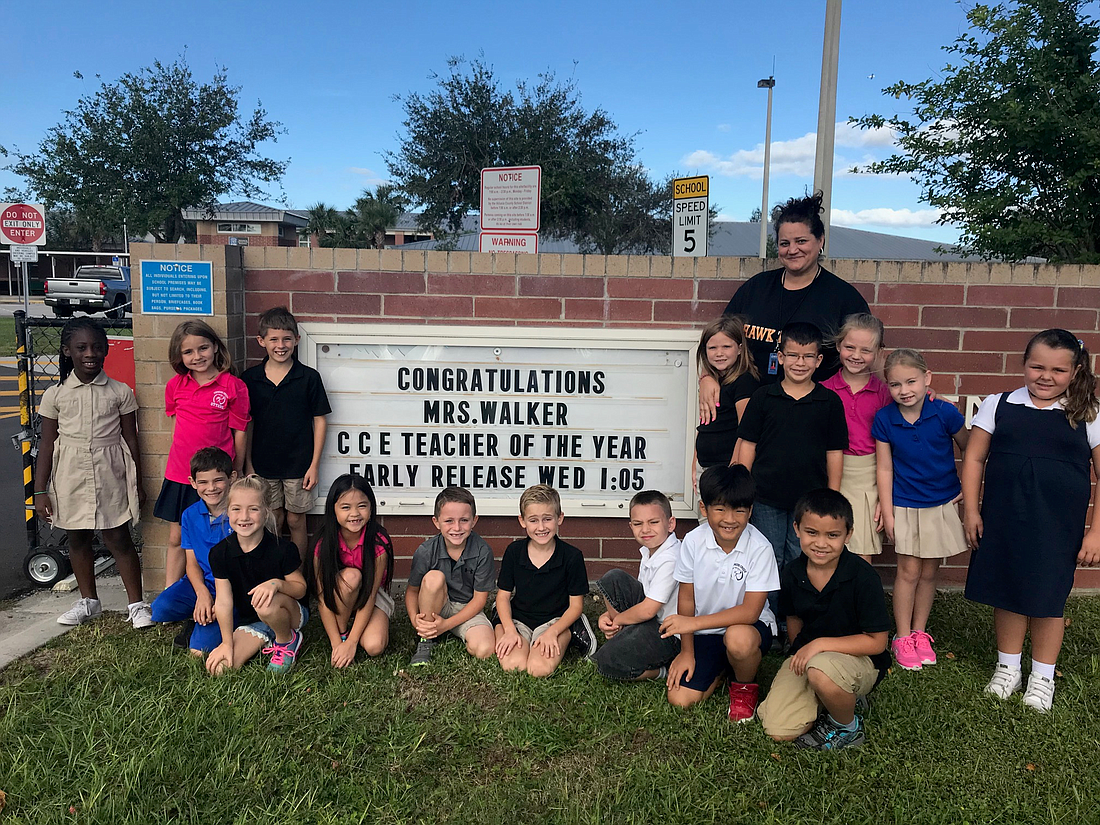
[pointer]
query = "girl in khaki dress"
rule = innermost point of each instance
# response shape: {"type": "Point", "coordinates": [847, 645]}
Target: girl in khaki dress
{"type": "Point", "coordinates": [86, 478]}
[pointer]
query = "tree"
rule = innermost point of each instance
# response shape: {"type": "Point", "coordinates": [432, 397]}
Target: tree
{"type": "Point", "coordinates": [1007, 142]}
{"type": "Point", "coordinates": [321, 220]}
{"type": "Point", "coordinates": [150, 145]}
{"type": "Point", "coordinates": [374, 213]}
{"type": "Point", "coordinates": [593, 188]}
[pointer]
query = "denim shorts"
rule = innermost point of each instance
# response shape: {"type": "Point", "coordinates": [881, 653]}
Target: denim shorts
{"type": "Point", "coordinates": [711, 660]}
{"type": "Point", "coordinates": [265, 633]}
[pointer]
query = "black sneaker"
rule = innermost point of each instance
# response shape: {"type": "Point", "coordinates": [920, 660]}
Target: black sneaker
{"type": "Point", "coordinates": [827, 736]}
{"type": "Point", "coordinates": [583, 637]}
{"type": "Point", "coordinates": [423, 653]}
{"type": "Point", "coordinates": [183, 638]}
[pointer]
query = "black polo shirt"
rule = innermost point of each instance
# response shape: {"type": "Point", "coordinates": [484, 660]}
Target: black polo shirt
{"type": "Point", "coordinates": [715, 441]}
{"type": "Point", "coordinates": [540, 594]}
{"type": "Point", "coordinates": [851, 602]}
{"type": "Point", "coordinates": [282, 419]}
{"type": "Point", "coordinates": [273, 558]}
{"type": "Point", "coordinates": [792, 437]}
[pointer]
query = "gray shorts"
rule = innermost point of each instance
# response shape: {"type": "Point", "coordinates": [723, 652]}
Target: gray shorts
{"type": "Point", "coordinates": [287, 494]}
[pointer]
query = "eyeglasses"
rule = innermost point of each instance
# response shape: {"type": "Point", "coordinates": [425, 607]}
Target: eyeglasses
{"type": "Point", "coordinates": [804, 357]}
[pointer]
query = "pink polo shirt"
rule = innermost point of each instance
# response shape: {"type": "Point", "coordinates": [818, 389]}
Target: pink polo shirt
{"type": "Point", "coordinates": [205, 417]}
{"type": "Point", "coordinates": [860, 409]}
{"type": "Point", "coordinates": [353, 556]}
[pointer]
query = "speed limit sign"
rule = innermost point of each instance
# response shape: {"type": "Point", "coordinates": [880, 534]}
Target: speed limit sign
{"type": "Point", "coordinates": [690, 216]}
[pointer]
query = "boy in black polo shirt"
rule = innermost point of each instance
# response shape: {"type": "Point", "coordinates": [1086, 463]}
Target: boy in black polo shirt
{"type": "Point", "coordinates": [836, 615]}
{"type": "Point", "coordinates": [542, 585]}
{"type": "Point", "coordinates": [792, 437]}
{"type": "Point", "coordinates": [287, 433]}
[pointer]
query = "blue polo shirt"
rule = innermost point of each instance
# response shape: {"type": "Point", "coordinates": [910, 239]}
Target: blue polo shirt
{"type": "Point", "coordinates": [199, 533]}
{"type": "Point", "coordinates": [923, 453]}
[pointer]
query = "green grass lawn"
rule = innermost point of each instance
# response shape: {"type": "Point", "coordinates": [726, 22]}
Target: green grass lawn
{"type": "Point", "coordinates": [7, 336]}
{"type": "Point", "coordinates": [106, 725]}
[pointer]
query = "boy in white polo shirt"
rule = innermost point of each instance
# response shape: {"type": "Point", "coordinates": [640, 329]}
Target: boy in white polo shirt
{"type": "Point", "coordinates": [726, 570]}
{"type": "Point", "coordinates": [635, 649]}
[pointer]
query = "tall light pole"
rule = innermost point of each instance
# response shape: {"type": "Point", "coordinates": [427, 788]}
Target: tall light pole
{"type": "Point", "coordinates": [826, 111]}
{"type": "Point", "coordinates": [769, 84]}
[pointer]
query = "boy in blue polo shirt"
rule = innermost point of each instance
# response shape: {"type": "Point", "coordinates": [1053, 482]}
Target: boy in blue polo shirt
{"type": "Point", "coordinates": [202, 525]}
{"type": "Point", "coordinates": [918, 487]}
{"type": "Point", "coordinates": [287, 433]}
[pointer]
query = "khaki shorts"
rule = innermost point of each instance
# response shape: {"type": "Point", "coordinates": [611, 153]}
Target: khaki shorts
{"type": "Point", "coordinates": [287, 494]}
{"type": "Point", "coordinates": [792, 706]}
{"type": "Point", "coordinates": [528, 635]}
{"type": "Point", "coordinates": [928, 532]}
{"type": "Point", "coordinates": [478, 620]}
{"type": "Point", "coordinates": [384, 602]}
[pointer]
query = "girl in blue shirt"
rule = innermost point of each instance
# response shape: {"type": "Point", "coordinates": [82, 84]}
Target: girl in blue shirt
{"type": "Point", "coordinates": [918, 488]}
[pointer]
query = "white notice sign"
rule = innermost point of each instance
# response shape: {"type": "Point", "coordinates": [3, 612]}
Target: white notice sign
{"type": "Point", "coordinates": [597, 415]}
{"type": "Point", "coordinates": [510, 198]}
{"type": "Point", "coordinates": [23, 253]}
{"type": "Point", "coordinates": [509, 242]}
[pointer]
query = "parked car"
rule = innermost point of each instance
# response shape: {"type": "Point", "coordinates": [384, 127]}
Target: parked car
{"type": "Point", "coordinates": [91, 289]}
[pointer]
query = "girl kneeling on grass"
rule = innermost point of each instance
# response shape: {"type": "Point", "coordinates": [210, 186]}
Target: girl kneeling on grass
{"type": "Point", "coordinates": [917, 487]}
{"type": "Point", "coordinates": [257, 583]}
{"type": "Point", "coordinates": [351, 583]}
{"type": "Point", "coordinates": [1035, 446]}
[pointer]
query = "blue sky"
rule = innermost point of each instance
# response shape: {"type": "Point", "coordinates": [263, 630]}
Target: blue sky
{"type": "Point", "coordinates": [682, 75]}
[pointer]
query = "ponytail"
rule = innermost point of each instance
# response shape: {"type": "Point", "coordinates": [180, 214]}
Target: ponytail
{"type": "Point", "coordinates": [1079, 402]}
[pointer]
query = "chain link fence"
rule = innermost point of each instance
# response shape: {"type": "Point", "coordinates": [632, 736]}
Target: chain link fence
{"type": "Point", "coordinates": [39, 348]}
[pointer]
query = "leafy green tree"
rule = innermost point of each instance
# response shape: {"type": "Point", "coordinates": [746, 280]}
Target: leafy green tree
{"type": "Point", "coordinates": [150, 145]}
{"type": "Point", "coordinates": [375, 212]}
{"type": "Point", "coordinates": [593, 188]}
{"type": "Point", "coordinates": [1006, 141]}
{"type": "Point", "coordinates": [321, 220]}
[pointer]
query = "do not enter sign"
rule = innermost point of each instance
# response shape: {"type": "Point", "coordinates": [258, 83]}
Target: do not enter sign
{"type": "Point", "coordinates": [23, 223]}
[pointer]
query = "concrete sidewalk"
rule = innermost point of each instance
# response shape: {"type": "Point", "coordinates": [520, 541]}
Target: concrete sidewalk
{"type": "Point", "coordinates": [29, 622]}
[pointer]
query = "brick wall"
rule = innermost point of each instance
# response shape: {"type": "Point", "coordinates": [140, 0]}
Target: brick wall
{"type": "Point", "coordinates": [970, 319]}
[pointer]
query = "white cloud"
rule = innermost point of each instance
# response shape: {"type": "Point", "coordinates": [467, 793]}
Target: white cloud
{"type": "Point", "coordinates": [885, 216]}
{"type": "Point", "coordinates": [793, 157]}
{"type": "Point", "coordinates": [723, 127]}
{"type": "Point", "coordinates": [372, 177]}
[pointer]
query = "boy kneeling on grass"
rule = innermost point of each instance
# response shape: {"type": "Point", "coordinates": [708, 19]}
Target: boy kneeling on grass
{"type": "Point", "coordinates": [450, 580]}
{"type": "Point", "coordinates": [837, 619]}
{"type": "Point", "coordinates": [726, 569]}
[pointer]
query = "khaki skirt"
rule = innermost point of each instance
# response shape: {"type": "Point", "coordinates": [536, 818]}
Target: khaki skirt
{"type": "Point", "coordinates": [858, 485]}
{"type": "Point", "coordinates": [928, 532]}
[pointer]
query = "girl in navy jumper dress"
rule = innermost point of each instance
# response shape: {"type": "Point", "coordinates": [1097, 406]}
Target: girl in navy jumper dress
{"type": "Point", "coordinates": [1036, 446]}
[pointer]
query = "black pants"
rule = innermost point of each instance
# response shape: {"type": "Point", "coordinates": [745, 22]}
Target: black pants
{"type": "Point", "coordinates": [637, 647]}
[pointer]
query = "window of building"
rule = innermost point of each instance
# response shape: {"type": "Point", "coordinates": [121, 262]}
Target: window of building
{"type": "Point", "coordinates": [238, 229]}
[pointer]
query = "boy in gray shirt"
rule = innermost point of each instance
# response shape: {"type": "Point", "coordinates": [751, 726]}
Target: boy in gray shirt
{"type": "Point", "coordinates": [452, 574]}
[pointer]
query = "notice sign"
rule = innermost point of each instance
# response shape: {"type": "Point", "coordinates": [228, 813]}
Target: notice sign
{"type": "Point", "coordinates": [177, 288]}
{"type": "Point", "coordinates": [597, 414]}
{"type": "Point", "coordinates": [510, 199]}
{"type": "Point", "coordinates": [690, 216]}
{"type": "Point", "coordinates": [509, 242]}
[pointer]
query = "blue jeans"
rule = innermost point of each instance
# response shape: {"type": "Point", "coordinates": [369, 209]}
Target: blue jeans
{"type": "Point", "coordinates": [177, 604]}
{"type": "Point", "coordinates": [778, 528]}
{"type": "Point", "coordinates": [637, 647]}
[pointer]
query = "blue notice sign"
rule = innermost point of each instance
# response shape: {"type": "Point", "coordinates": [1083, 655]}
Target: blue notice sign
{"type": "Point", "coordinates": [177, 288]}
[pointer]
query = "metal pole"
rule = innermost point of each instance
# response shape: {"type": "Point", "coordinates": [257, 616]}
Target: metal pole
{"type": "Point", "coordinates": [125, 237]}
{"type": "Point", "coordinates": [27, 435]}
{"type": "Point", "coordinates": [769, 84]}
{"type": "Point", "coordinates": [26, 288]}
{"type": "Point", "coordinates": [826, 111]}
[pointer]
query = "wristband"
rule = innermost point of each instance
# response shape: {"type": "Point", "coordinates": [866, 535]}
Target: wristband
{"type": "Point", "coordinates": [43, 493]}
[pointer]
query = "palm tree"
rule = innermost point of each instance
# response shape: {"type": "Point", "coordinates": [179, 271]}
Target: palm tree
{"type": "Point", "coordinates": [321, 220]}
{"type": "Point", "coordinates": [375, 212]}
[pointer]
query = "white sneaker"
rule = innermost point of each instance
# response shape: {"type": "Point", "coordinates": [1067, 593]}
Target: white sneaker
{"type": "Point", "coordinates": [80, 612]}
{"type": "Point", "coordinates": [141, 615]}
{"type": "Point", "coordinates": [1040, 693]}
{"type": "Point", "coordinates": [1006, 681]}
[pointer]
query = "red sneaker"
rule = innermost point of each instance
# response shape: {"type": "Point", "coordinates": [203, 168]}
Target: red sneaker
{"type": "Point", "coordinates": [743, 696]}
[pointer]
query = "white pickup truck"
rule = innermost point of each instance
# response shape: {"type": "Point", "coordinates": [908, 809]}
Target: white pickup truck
{"type": "Point", "coordinates": [91, 289]}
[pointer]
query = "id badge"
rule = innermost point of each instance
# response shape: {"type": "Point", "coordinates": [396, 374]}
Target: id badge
{"type": "Point", "coordinates": [773, 363]}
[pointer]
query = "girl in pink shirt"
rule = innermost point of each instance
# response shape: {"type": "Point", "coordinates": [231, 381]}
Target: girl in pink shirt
{"type": "Point", "coordinates": [352, 584]}
{"type": "Point", "coordinates": [863, 394]}
{"type": "Point", "coordinates": [208, 406]}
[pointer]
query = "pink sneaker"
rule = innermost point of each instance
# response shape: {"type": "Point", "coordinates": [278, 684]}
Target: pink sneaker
{"type": "Point", "coordinates": [905, 652]}
{"type": "Point", "coordinates": [924, 647]}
